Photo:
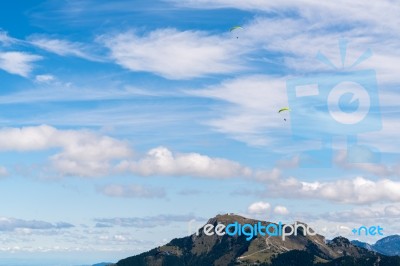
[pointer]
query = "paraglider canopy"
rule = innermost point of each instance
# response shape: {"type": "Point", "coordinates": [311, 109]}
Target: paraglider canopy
{"type": "Point", "coordinates": [235, 28]}
{"type": "Point", "coordinates": [284, 109]}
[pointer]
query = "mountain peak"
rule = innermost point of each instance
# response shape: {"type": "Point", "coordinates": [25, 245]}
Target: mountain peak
{"type": "Point", "coordinates": [224, 249]}
{"type": "Point", "coordinates": [389, 245]}
{"type": "Point", "coordinates": [342, 241]}
{"type": "Point", "coordinates": [392, 238]}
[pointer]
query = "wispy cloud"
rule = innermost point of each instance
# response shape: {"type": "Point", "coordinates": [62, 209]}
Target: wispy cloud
{"type": "Point", "coordinates": [386, 216]}
{"type": "Point", "coordinates": [6, 39]}
{"type": "Point", "coordinates": [90, 14]}
{"type": "Point", "coordinates": [131, 191]}
{"type": "Point", "coordinates": [316, 26]}
{"type": "Point", "coordinates": [45, 78]}
{"type": "Point", "coordinates": [247, 111]}
{"type": "Point", "coordinates": [147, 222]}
{"type": "Point", "coordinates": [10, 224]}
{"type": "Point", "coordinates": [64, 91]}
{"type": "Point", "coordinates": [18, 63]}
{"type": "Point", "coordinates": [174, 54]}
{"type": "Point", "coordinates": [377, 169]}
{"type": "Point", "coordinates": [354, 11]}
{"type": "Point", "coordinates": [63, 47]}
{"type": "Point", "coordinates": [372, 214]}
{"type": "Point", "coordinates": [252, 115]}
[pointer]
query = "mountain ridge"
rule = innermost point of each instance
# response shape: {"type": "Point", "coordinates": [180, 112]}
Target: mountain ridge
{"type": "Point", "coordinates": [204, 248]}
{"type": "Point", "coordinates": [389, 246]}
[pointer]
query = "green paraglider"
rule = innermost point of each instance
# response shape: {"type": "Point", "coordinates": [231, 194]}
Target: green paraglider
{"type": "Point", "coordinates": [234, 28]}
{"type": "Point", "coordinates": [284, 109]}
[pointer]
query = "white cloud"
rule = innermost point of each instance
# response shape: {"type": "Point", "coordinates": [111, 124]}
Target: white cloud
{"type": "Point", "coordinates": [365, 25]}
{"type": "Point", "coordinates": [161, 161]}
{"type": "Point", "coordinates": [355, 214]}
{"type": "Point", "coordinates": [83, 153]}
{"type": "Point", "coordinates": [281, 210]}
{"type": "Point", "coordinates": [358, 10]}
{"type": "Point", "coordinates": [61, 91]}
{"type": "Point", "coordinates": [263, 175]}
{"type": "Point", "coordinates": [351, 191]}
{"type": "Point", "coordinates": [247, 121]}
{"type": "Point", "coordinates": [45, 78]}
{"type": "Point", "coordinates": [18, 63]}
{"type": "Point", "coordinates": [373, 214]}
{"type": "Point", "coordinates": [252, 115]}
{"type": "Point", "coordinates": [62, 47]}
{"type": "Point", "coordinates": [377, 169]}
{"type": "Point", "coordinates": [86, 154]}
{"type": "Point", "coordinates": [26, 138]}
{"type": "Point", "coordinates": [146, 222]}
{"type": "Point", "coordinates": [259, 207]}
{"type": "Point", "coordinates": [132, 191]}
{"type": "Point", "coordinates": [10, 224]}
{"type": "Point", "coordinates": [174, 54]}
{"type": "Point", "coordinates": [337, 223]}
{"type": "Point", "coordinates": [5, 39]}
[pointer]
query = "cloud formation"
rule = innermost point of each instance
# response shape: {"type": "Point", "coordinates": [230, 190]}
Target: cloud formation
{"type": "Point", "coordinates": [358, 190]}
{"type": "Point", "coordinates": [87, 154]}
{"type": "Point", "coordinates": [11, 224]}
{"type": "Point", "coordinates": [281, 210]}
{"type": "Point", "coordinates": [5, 39]}
{"type": "Point", "coordinates": [259, 207]}
{"type": "Point", "coordinates": [372, 214]}
{"type": "Point", "coordinates": [173, 54]}
{"type": "Point", "coordinates": [62, 47]}
{"type": "Point", "coordinates": [251, 112]}
{"type": "Point", "coordinates": [355, 11]}
{"type": "Point", "coordinates": [18, 63]}
{"type": "Point", "coordinates": [377, 169]}
{"type": "Point", "coordinates": [145, 222]}
{"type": "Point", "coordinates": [161, 161]}
{"type": "Point", "coordinates": [83, 153]}
{"type": "Point", "coordinates": [45, 78]}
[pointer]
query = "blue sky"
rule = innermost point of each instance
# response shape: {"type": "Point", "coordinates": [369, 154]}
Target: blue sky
{"type": "Point", "coordinates": [122, 121]}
